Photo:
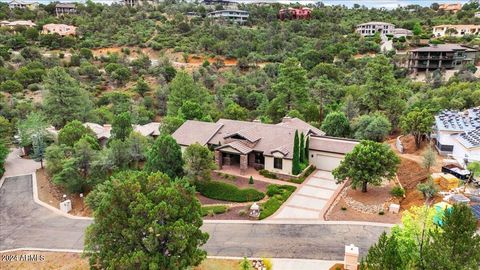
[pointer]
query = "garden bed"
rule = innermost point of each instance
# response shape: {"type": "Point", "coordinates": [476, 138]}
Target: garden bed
{"type": "Point", "coordinates": [240, 182]}
{"type": "Point", "coordinates": [228, 192]}
{"type": "Point", "coordinates": [51, 194]}
{"type": "Point", "coordinates": [233, 213]}
{"type": "Point", "coordinates": [278, 195]}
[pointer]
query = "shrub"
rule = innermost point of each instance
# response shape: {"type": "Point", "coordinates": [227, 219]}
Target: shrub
{"type": "Point", "coordinates": [250, 181]}
{"type": "Point", "coordinates": [278, 195]}
{"type": "Point", "coordinates": [428, 189]}
{"type": "Point", "coordinates": [213, 210]}
{"type": "Point", "coordinates": [268, 174]}
{"type": "Point", "coordinates": [397, 191]}
{"type": "Point", "coordinates": [381, 213]}
{"type": "Point", "coordinates": [344, 208]}
{"type": "Point", "coordinates": [227, 192]}
{"type": "Point", "coordinates": [267, 263]}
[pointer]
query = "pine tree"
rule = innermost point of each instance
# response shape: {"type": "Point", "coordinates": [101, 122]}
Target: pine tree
{"type": "Point", "coordinates": [384, 255]}
{"type": "Point", "coordinates": [302, 148]}
{"type": "Point", "coordinates": [296, 157]}
{"type": "Point", "coordinates": [307, 147]}
{"type": "Point", "coordinates": [457, 247]}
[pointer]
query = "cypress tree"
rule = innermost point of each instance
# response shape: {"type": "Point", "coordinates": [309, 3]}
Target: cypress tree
{"type": "Point", "coordinates": [296, 157]}
{"type": "Point", "coordinates": [302, 148]}
{"type": "Point", "coordinates": [307, 146]}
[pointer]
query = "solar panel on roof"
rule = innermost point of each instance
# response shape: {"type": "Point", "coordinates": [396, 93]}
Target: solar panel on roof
{"type": "Point", "coordinates": [476, 211]}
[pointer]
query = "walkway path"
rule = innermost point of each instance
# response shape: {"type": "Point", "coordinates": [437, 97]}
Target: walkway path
{"type": "Point", "coordinates": [25, 224]}
{"type": "Point", "coordinates": [311, 199]}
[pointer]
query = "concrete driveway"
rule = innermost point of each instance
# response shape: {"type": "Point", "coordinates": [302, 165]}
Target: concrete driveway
{"type": "Point", "coordinates": [25, 224]}
{"type": "Point", "coordinates": [311, 199]}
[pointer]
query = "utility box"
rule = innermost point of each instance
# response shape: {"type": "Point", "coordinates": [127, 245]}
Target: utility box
{"type": "Point", "coordinates": [394, 208]}
{"type": "Point", "coordinates": [66, 206]}
{"type": "Point", "coordinates": [351, 257]}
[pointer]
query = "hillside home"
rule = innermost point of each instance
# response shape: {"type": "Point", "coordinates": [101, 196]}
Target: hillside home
{"type": "Point", "coordinates": [244, 145]}
{"type": "Point", "coordinates": [441, 56]}
{"type": "Point", "coordinates": [456, 30]}
{"type": "Point", "coordinates": [401, 32]}
{"type": "Point", "coordinates": [103, 132]}
{"type": "Point", "coordinates": [61, 29]}
{"type": "Point", "coordinates": [65, 9]}
{"type": "Point", "coordinates": [230, 15]}
{"type": "Point", "coordinates": [294, 13]}
{"type": "Point", "coordinates": [371, 28]}
{"type": "Point", "coordinates": [450, 7]}
{"type": "Point", "coordinates": [22, 5]}
{"type": "Point", "coordinates": [457, 134]}
{"type": "Point", "coordinates": [223, 3]}
{"type": "Point", "coordinates": [14, 24]}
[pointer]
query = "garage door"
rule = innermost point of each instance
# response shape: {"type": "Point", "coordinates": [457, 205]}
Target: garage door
{"type": "Point", "coordinates": [327, 163]}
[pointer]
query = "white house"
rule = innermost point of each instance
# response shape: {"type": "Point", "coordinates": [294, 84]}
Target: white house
{"type": "Point", "coordinates": [456, 30]}
{"type": "Point", "coordinates": [457, 134]}
{"type": "Point", "coordinates": [371, 28]}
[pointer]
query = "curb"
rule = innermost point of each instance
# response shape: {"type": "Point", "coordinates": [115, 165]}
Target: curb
{"type": "Point", "coordinates": [301, 222]}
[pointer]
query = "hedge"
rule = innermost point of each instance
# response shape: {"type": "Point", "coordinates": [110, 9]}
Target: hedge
{"type": "Point", "coordinates": [227, 192]}
{"type": "Point", "coordinates": [278, 195]}
{"type": "Point", "coordinates": [215, 209]}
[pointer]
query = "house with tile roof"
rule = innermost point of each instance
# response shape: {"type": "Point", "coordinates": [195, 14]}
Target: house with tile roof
{"type": "Point", "coordinates": [457, 134]}
{"type": "Point", "coordinates": [246, 144]}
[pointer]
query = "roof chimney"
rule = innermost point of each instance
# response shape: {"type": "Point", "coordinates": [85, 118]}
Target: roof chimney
{"type": "Point", "coordinates": [286, 119]}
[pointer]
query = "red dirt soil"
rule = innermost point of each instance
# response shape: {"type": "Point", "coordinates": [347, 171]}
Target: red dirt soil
{"type": "Point", "coordinates": [52, 194]}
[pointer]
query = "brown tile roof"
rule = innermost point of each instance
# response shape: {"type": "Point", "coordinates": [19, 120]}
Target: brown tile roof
{"type": "Point", "coordinates": [331, 144]}
{"type": "Point", "coordinates": [195, 132]}
{"type": "Point", "coordinates": [266, 138]}
{"type": "Point", "coordinates": [239, 146]}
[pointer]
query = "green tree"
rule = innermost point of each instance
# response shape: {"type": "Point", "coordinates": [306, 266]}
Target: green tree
{"type": "Point", "coordinates": [384, 255]}
{"type": "Point", "coordinates": [292, 84]}
{"type": "Point", "coordinates": [417, 122]}
{"type": "Point", "coordinates": [191, 110]}
{"type": "Point", "coordinates": [5, 130]}
{"type": "Point", "coordinates": [368, 163]}
{"type": "Point", "coordinates": [455, 245]}
{"type": "Point", "coordinates": [119, 154]}
{"type": "Point", "coordinates": [302, 148]}
{"type": "Point", "coordinates": [307, 149]}
{"type": "Point", "coordinates": [121, 126]}
{"type": "Point", "coordinates": [336, 124]}
{"type": "Point", "coordinates": [65, 99]}
{"type": "Point", "coordinates": [374, 127]}
{"type": "Point", "coordinates": [34, 124]}
{"type": "Point", "coordinates": [138, 147]}
{"type": "Point", "coordinates": [11, 86]}
{"type": "Point", "coordinates": [165, 156]}
{"type": "Point", "coordinates": [183, 89]}
{"type": "Point", "coordinates": [245, 264]}
{"type": "Point", "coordinates": [235, 112]}
{"type": "Point", "coordinates": [84, 156]}
{"type": "Point", "coordinates": [142, 86]}
{"type": "Point", "coordinates": [152, 223]}
{"type": "Point", "coordinates": [380, 84]}
{"type": "Point", "coordinates": [3, 156]}
{"type": "Point", "coordinates": [429, 159]}
{"type": "Point", "coordinates": [39, 146]}
{"type": "Point", "coordinates": [72, 132]}
{"type": "Point", "coordinates": [170, 124]}
{"type": "Point", "coordinates": [198, 163]}
{"type": "Point", "coordinates": [69, 177]}
{"type": "Point", "coordinates": [296, 153]}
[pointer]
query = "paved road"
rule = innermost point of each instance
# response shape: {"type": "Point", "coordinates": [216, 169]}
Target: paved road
{"type": "Point", "coordinates": [24, 223]}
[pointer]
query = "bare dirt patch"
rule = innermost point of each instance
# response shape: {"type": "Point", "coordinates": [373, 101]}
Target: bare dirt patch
{"type": "Point", "coordinates": [374, 195]}
{"type": "Point", "coordinates": [53, 195]}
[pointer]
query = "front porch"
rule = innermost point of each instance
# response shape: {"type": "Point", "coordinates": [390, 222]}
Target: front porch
{"type": "Point", "coordinates": [243, 163]}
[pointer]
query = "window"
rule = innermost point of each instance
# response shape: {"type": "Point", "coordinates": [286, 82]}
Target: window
{"type": "Point", "coordinates": [259, 159]}
{"type": "Point", "coordinates": [277, 163]}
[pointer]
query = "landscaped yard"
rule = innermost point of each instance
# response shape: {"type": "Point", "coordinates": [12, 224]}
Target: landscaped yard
{"type": "Point", "coordinates": [52, 194]}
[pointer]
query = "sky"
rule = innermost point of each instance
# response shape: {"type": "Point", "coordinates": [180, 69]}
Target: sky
{"type": "Point", "coordinates": [369, 3]}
